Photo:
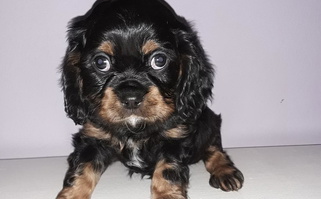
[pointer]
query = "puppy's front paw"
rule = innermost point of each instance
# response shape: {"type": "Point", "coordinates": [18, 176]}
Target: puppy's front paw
{"type": "Point", "coordinates": [224, 174]}
{"type": "Point", "coordinates": [227, 180]}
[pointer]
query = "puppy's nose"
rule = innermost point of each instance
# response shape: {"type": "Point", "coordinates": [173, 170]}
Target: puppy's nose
{"type": "Point", "coordinates": [132, 102]}
{"type": "Point", "coordinates": [131, 94]}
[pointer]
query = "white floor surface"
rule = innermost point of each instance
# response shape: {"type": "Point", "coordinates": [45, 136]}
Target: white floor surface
{"type": "Point", "coordinates": [270, 173]}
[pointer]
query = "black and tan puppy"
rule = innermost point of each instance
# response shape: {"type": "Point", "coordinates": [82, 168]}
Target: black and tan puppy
{"type": "Point", "coordinates": [136, 77]}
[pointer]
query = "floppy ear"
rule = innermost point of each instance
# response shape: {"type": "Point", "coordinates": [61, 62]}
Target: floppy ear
{"type": "Point", "coordinates": [196, 80]}
{"type": "Point", "coordinates": [71, 80]}
{"type": "Point", "coordinates": [76, 106]}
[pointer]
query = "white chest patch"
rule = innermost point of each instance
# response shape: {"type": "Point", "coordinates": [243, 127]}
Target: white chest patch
{"type": "Point", "coordinates": [135, 159]}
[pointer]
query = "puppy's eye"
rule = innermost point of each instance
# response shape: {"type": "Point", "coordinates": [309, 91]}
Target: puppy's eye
{"type": "Point", "coordinates": [102, 63]}
{"type": "Point", "coordinates": [159, 61]}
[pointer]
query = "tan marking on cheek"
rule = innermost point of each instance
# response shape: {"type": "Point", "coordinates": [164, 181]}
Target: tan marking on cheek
{"type": "Point", "coordinates": [84, 184]}
{"type": "Point", "coordinates": [111, 108]}
{"type": "Point", "coordinates": [107, 47]}
{"type": "Point", "coordinates": [218, 164]}
{"type": "Point", "coordinates": [150, 46]}
{"type": "Point", "coordinates": [162, 188]}
{"type": "Point", "coordinates": [178, 132]}
{"type": "Point", "coordinates": [154, 106]}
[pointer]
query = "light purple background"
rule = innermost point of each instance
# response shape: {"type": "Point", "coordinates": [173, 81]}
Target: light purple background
{"type": "Point", "coordinates": [267, 55]}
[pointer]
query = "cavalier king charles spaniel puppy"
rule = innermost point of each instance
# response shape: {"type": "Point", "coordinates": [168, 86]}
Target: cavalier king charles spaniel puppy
{"type": "Point", "coordinates": [137, 80]}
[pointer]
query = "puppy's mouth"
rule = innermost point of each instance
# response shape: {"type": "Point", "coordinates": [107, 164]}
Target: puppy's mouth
{"type": "Point", "coordinates": [132, 117]}
{"type": "Point", "coordinates": [134, 108]}
{"type": "Point", "coordinates": [134, 123]}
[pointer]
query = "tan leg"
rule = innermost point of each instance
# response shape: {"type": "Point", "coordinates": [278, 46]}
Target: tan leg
{"type": "Point", "coordinates": [88, 162]}
{"type": "Point", "coordinates": [84, 180]}
{"type": "Point", "coordinates": [224, 174]}
{"type": "Point", "coordinates": [169, 181]}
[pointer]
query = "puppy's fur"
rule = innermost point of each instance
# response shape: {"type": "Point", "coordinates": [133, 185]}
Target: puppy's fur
{"type": "Point", "coordinates": [136, 77]}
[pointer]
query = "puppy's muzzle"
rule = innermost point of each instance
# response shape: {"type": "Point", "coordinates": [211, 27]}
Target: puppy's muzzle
{"type": "Point", "coordinates": [131, 94]}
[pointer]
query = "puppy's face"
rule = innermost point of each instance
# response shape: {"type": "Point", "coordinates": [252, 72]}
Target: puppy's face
{"type": "Point", "coordinates": [130, 75]}
{"type": "Point", "coordinates": [133, 64]}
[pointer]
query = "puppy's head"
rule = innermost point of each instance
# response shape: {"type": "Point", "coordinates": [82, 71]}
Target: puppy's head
{"type": "Point", "coordinates": [134, 61]}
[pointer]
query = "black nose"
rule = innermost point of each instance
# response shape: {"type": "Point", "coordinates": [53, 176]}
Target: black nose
{"type": "Point", "coordinates": [131, 94]}
{"type": "Point", "coordinates": [132, 102]}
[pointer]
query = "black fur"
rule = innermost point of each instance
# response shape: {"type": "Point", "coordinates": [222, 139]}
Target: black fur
{"type": "Point", "coordinates": [184, 84]}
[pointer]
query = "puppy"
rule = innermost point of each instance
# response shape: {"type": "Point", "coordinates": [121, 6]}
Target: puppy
{"type": "Point", "coordinates": [137, 79]}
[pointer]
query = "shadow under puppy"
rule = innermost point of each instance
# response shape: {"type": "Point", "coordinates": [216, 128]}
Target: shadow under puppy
{"type": "Point", "coordinates": [136, 77]}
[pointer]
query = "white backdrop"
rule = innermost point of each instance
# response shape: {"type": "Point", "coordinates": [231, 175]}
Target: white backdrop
{"type": "Point", "coordinates": [267, 56]}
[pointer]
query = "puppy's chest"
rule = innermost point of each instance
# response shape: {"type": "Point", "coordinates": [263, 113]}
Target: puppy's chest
{"type": "Point", "coordinates": [134, 154]}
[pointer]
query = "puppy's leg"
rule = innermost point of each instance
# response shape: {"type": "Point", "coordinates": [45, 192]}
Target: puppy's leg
{"type": "Point", "coordinates": [86, 164]}
{"type": "Point", "coordinates": [80, 182]}
{"type": "Point", "coordinates": [170, 181]}
{"type": "Point", "coordinates": [224, 174]}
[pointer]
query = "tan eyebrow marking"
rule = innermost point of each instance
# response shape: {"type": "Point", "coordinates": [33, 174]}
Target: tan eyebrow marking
{"type": "Point", "coordinates": [150, 46]}
{"type": "Point", "coordinates": [107, 47]}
